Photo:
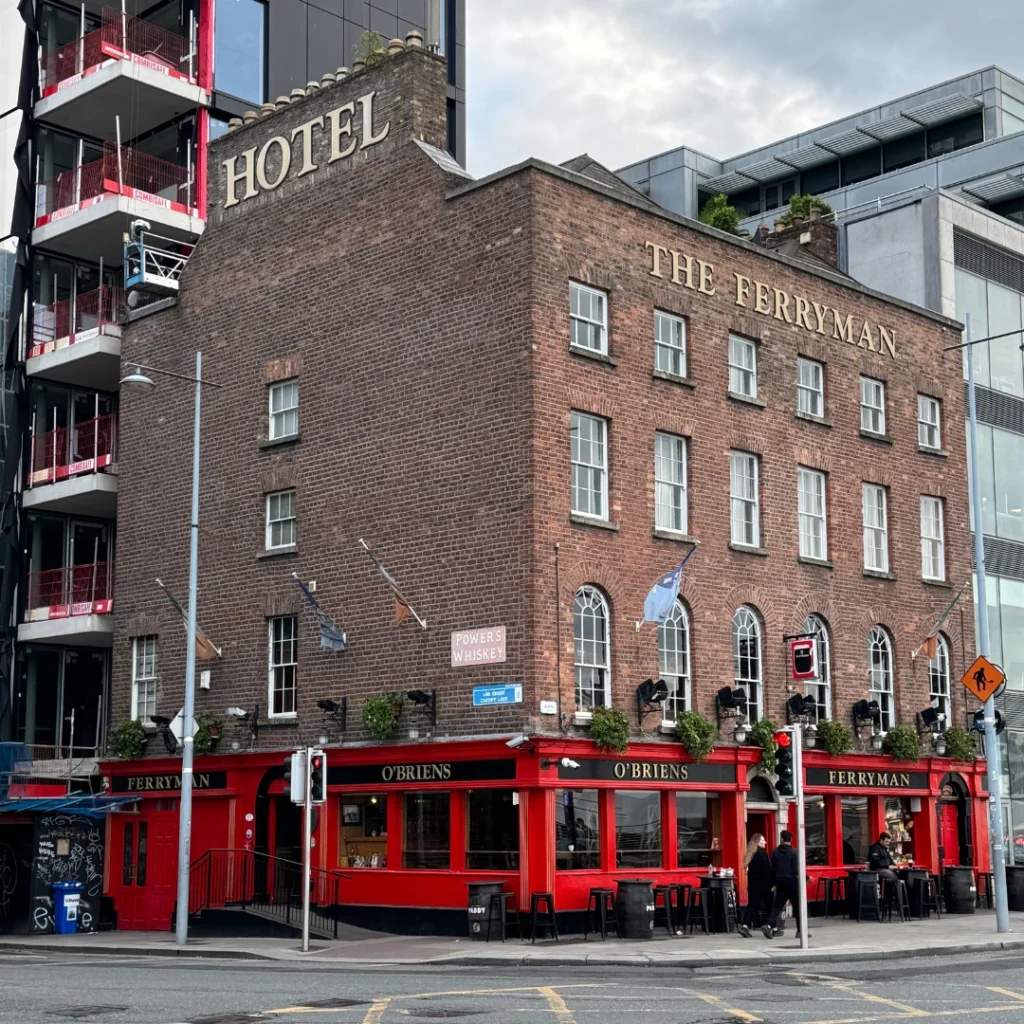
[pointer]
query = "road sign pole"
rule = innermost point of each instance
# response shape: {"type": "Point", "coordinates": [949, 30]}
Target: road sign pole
{"type": "Point", "coordinates": [991, 740]}
{"type": "Point", "coordinates": [307, 844]}
{"type": "Point", "coordinates": [801, 831]}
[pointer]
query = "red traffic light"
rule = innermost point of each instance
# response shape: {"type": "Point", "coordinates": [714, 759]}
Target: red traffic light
{"type": "Point", "coordinates": [318, 762]}
{"type": "Point", "coordinates": [782, 739]}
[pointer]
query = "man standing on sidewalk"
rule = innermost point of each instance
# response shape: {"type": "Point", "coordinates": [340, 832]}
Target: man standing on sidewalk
{"type": "Point", "coordinates": [786, 868]}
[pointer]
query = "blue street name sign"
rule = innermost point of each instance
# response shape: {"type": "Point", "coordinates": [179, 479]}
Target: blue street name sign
{"type": "Point", "coordinates": [483, 696]}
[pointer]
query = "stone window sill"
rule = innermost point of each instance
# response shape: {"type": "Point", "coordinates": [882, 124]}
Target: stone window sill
{"type": "Point", "coordinates": [597, 357]}
{"type": "Point", "coordinates": [280, 721]}
{"type": "Point", "coordinates": [937, 583]}
{"type": "Point", "coordinates": [276, 442]}
{"type": "Point", "coordinates": [290, 549]}
{"type": "Point", "coordinates": [601, 524]}
{"type": "Point", "coordinates": [683, 538]}
{"type": "Point", "coordinates": [746, 399]}
{"type": "Point", "coordinates": [822, 421]}
{"type": "Point", "coordinates": [583, 718]}
{"type": "Point", "coordinates": [936, 453]}
{"type": "Point", "coordinates": [745, 549]}
{"type": "Point", "coordinates": [870, 435]}
{"type": "Point", "coordinates": [669, 728]}
{"type": "Point", "coordinates": [874, 574]}
{"type": "Point", "coordinates": [824, 563]}
{"type": "Point", "coordinates": [675, 378]}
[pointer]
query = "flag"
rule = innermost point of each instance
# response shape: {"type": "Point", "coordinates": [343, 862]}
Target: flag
{"type": "Point", "coordinates": [930, 647]}
{"type": "Point", "coordinates": [330, 636]}
{"type": "Point", "coordinates": [403, 610]}
{"type": "Point", "coordinates": [205, 650]}
{"type": "Point", "coordinates": [662, 595]}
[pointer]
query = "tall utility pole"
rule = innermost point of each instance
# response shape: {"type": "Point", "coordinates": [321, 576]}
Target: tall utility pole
{"type": "Point", "coordinates": [307, 843]}
{"type": "Point", "coordinates": [801, 830]}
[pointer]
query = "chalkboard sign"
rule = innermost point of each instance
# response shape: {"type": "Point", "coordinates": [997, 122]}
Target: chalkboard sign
{"type": "Point", "coordinates": [68, 848]}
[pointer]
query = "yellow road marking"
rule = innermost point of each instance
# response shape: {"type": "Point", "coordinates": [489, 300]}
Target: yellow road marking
{"type": "Point", "coordinates": [889, 1017]}
{"type": "Point", "coordinates": [907, 1011]}
{"type": "Point", "coordinates": [721, 1004]}
{"type": "Point", "coordinates": [375, 1013]}
{"type": "Point", "coordinates": [490, 991]}
{"type": "Point", "coordinates": [557, 1006]}
{"type": "Point", "coordinates": [1005, 992]}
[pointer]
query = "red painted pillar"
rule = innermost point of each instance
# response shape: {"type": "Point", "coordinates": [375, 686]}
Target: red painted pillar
{"type": "Point", "coordinates": [926, 835]}
{"type": "Point", "coordinates": [607, 819]}
{"type": "Point", "coordinates": [536, 843]}
{"type": "Point", "coordinates": [457, 833]}
{"type": "Point", "coordinates": [395, 821]}
{"type": "Point", "coordinates": [669, 831]}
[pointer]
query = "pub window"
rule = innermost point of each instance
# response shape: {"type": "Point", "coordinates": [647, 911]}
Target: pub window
{"type": "Point", "coordinates": [284, 409]}
{"type": "Point", "coordinates": [674, 660]}
{"type": "Point", "coordinates": [589, 481]}
{"type": "Point", "coordinates": [821, 688]}
{"type": "Point", "coordinates": [588, 318]}
{"type": "Point", "coordinates": [874, 508]}
{"type": "Point", "coordinates": [812, 527]}
{"type": "Point", "coordinates": [284, 665]}
{"type": "Point", "coordinates": [364, 831]}
{"type": "Point", "coordinates": [141, 853]}
{"type": "Point", "coordinates": [593, 649]}
{"type": "Point", "coordinates": [128, 856]}
{"type": "Point", "coordinates": [144, 661]}
{"type": "Point", "coordinates": [427, 831]}
{"type": "Point", "coordinates": [637, 828]}
{"type": "Point", "coordinates": [742, 366]}
{"type": "Point", "coordinates": [816, 831]}
{"type": "Point", "coordinates": [880, 674]}
{"type": "Point", "coordinates": [746, 656]}
{"type": "Point", "coordinates": [669, 344]}
{"type": "Point", "coordinates": [492, 825]}
{"type": "Point", "coordinates": [872, 406]}
{"type": "Point", "coordinates": [856, 839]}
{"type": "Point", "coordinates": [929, 423]}
{"type": "Point", "coordinates": [670, 511]}
{"type": "Point", "coordinates": [899, 823]}
{"type": "Point", "coordinates": [933, 544]}
{"type": "Point", "coordinates": [697, 823]}
{"type": "Point", "coordinates": [577, 830]}
{"type": "Point", "coordinates": [744, 503]}
{"type": "Point", "coordinates": [938, 681]}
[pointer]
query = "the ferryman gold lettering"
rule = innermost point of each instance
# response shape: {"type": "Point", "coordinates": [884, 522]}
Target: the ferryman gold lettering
{"type": "Point", "coordinates": [280, 151]}
{"type": "Point", "coordinates": [871, 780]}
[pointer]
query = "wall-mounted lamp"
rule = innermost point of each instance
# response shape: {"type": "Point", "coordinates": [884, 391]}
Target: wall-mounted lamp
{"type": "Point", "coordinates": [426, 702]}
{"type": "Point", "coordinates": [334, 712]}
{"type": "Point", "coordinates": [562, 762]}
{"type": "Point", "coordinates": [740, 732]}
{"type": "Point", "coordinates": [811, 736]}
{"type": "Point", "coordinates": [799, 707]}
{"type": "Point", "coordinates": [650, 696]}
{"type": "Point", "coordinates": [730, 702]}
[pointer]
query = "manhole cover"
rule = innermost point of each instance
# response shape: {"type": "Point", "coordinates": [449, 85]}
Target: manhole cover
{"type": "Point", "coordinates": [81, 1012]}
{"type": "Point", "coordinates": [333, 1004]}
{"type": "Point", "coordinates": [443, 1014]}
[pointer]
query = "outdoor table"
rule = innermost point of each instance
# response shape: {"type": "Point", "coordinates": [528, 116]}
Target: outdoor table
{"type": "Point", "coordinates": [718, 886]}
{"type": "Point", "coordinates": [916, 879]}
{"type": "Point", "coordinates": [854, 875]}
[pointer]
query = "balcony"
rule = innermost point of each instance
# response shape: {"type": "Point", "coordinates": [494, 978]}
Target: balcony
{"type": "Point", "coordinates": [78, 341]}
{"type": "Point", "coordinates": [86, 211]}
{"type": "Point", "coordinates": [67, 469]}
{"type": "Point", "coordinates": [46, 770]}
{"type": "Point", "coordinates": [71, 605]}
{"type": "Point", "coordinates": [126, 66]}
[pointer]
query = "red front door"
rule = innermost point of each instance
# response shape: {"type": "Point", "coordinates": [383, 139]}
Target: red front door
{"type": "Point", "coordinates": [949, 834]}
{"type": "Point", "coordinates": [147, 871]}
{"type": "Point", "coordinates": [763, 823]}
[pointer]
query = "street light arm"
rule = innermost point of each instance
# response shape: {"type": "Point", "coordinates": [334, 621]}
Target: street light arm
{"type": "Point", "coordinates": [978, 341]}
{"type": "Point", "coordinates": [179, 376]}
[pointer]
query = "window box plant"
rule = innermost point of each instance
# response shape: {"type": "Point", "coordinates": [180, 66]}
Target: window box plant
{"type": "Point", "coordinates": [128, 740]}
{"type": "Point", "coordinates": [697, 735]}
{"type": "Point", "coordinates": [835, 737]}
{"type": "Point", "coordinates": [208, 732]}
{"type": "Point", "coordinates": [380, 715]}
{"type": "Point", "coordinates": [609, 728]}
{"type": "Point", "coordinates": [762, 734]}
{"type": "Point", "coordinates": [903, 743]}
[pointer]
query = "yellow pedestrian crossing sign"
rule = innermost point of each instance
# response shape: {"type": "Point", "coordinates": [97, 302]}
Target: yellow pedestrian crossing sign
{"type": "Point", "coordinates": [983, 678]}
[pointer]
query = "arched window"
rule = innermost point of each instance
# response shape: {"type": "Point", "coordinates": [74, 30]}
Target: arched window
{"type": "Point", "coordinates": [938, 681]}
{"type": "Point", "coordinates": [674, 660]}
{"type": "Point", "coordinates": [820, 689]}
{"type": "Point", "coordinates": [591, 631]}
{"type": "Point", "coordinates": [880, 673]}
{"type": "Point", "coordinates": [746, 658]}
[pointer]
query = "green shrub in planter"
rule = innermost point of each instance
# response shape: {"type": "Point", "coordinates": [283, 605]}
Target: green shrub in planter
{"type": "Point", "coordinates": [127, 740]}
{"type": "Point", "coordinates": [697, 735]}
{"type": "Point", "coordinates": [959, 743]}
{"type": "Point", "coordinates": [903, 743]}
{"type": "Point", "coordinates": [380, 715]}
{"type": "Point", "coordinates": [762, 734]}
{"type": "Point", "coordinates": [208, 731]}
{"type": "Point", "coordinates": [835, 737]}
{"type": "Point", "coordinates": [609, 728]}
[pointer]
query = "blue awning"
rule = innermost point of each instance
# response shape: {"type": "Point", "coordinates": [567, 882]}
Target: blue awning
{"type": "Point", "coordinates": [77, 803]}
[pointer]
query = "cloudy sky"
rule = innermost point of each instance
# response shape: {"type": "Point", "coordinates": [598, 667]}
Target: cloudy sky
{"type": "Point", "coordinates": [624, 79]}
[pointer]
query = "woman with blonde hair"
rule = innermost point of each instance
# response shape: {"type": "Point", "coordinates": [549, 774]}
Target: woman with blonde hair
{"type": "Point", "coordinates": [759, 882]}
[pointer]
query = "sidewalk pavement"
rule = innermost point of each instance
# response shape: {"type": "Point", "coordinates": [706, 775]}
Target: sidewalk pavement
{"type": "Point", "coordinates": [831, 941]}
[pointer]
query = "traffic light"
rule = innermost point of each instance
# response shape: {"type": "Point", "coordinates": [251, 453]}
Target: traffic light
{"type": "Point", "coordinates": [783, 764]}
{"type": "Point", "coordinates": [295, 777]}
{"type": "Point", "coordinates": [318, 777]}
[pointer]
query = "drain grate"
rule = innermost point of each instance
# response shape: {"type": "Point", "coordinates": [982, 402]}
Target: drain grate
{"type": "Point", "coordinates": [82, 1012]}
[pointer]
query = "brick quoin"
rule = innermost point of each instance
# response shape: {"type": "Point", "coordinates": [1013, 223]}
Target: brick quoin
{"type": "Point", "coordinates": [427, 322]}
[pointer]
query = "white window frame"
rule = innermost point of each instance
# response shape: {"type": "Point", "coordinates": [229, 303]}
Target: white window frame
{"type": "Point", "coordinates": [742, 366]}
{"type": "Point", "coordinates": [933, 539]}
{"type": "Point", "coordinates": [812, 513]}
{"type": "Point", "coordinates": [145, 662]}
{"type": "Point", "coordinates": [748, 667]}
{"type": "Point", "coordinates": [275, 518]}
{"type": "Point", "coordinates": [872, 406]}
{"type": "Point", "coordinates": [875, 518]}
{"type": "Point", "coordinates": [281, 418]}
{"type": "Point", "coordinates": [744, 496]}
{"type": "Point", "coordinates": [929, 423]}
{"type": "Point", "coordinates": [938, 681]}
{"type": "Point", "coordinates": [674, 665]}
{"type": "Point", "coordinates": [587, 332]}
{"type": "Point", "coordinates": [282, 661]}
{"type": "Point", "coordinates": [880, 674]}
{"type": "Point", "coordinates": [592, 655]}
{"type": "Point", "coordinates": [669, 344]}
{"type": "Point", "coordinates": [810, 387]}
{"type": "Point", "coordinates": [821, 688]}
{"type": "Point", "coordinates": [589, 466]}
{"type": "Point", "coordinates": [670, 475]}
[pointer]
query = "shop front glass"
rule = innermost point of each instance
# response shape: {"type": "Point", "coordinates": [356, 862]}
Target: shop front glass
{"type": "Point", "coordinates": [364, 831]}
{"type": "Point", "coordinates": [697, 823]}
{"type": "Point", "coordinates": [816, 830]}
{"type": "Point", "coordinates": [856, 838]}
{"type": "Point", "coordinates": [427, 830]}
{"type": "Point", "coordinates": [899, 823]}
{"type": "Point", "coordinates": [577, 830]}
{"type": "Point", "coordinates": [492, 824]}
{"type": "Point", "coordinates": [637, 828]}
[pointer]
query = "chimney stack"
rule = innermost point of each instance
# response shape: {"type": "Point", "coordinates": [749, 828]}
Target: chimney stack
{"type": "Point", "coordinates": [815, 235]}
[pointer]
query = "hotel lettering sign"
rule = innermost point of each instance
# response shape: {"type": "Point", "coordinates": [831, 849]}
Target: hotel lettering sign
{"type": "Point", "coordinates": [166, 783]}
{"type": "Point", "coordinates": [594, 770]}
{"type": "Point", "coordinates": [759, 297]}
{"type": "Point", "coordinates": [267, 169]}
{"type": "Point", "coordinates": [432, 771]}
{"type": "Point", "coordinates": [831, 778]}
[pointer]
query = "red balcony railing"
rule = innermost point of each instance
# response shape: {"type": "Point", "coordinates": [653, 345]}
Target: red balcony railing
{"type": "Point", "coordinates": [71, 590]}
{"type": "Point", "coordinates": [116, 39]}
{"type": "Point", "coordinates": [135, 174]}
{"type": "Point", "coordinates": [68, 319]}
{"type": "Point", "coordinates": [71, 451]}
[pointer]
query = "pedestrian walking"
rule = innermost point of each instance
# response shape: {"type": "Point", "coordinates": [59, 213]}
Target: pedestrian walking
{"type": "Point", "coordinates": [786, 871]}
{"type": "Point", "coordinates": [759, 882]}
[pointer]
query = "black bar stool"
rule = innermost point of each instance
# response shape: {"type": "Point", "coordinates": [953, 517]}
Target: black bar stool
{"type": "Point", "coordinates": [729, 908]}
{"type": "Point", "coordinates": [895, 893]}
{"type": "Point", "coordinates": [698, 901]}
{"type": "Point", "coordinates": [930, 896]}
{"type": "Point", "coordinates": [868, 886]}
{"type": "Point", "coordinates": [666, 893]}
{"type": "Point", "coordinates": [600, 904]}
{"type": "Point", "coordinates": [542, 918]}
{"type": "Point", "coordinates": [503, 907]}
{"type": "Point", "coordinates": [833, 889]}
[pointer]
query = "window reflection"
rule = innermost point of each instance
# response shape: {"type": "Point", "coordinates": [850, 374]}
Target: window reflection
{"type": "Point", "coordinates": [239, 27]}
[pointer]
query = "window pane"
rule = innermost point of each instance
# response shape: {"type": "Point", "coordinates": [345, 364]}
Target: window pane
{"type": "Point", "coordinates": [1008, 459]}
{"type": "Point", "coordinates": [972, 297]}
{"type": "Point", "coordinates": [929, 434]}
{"type": "Point", "coordinates": [811, 503]}
{"type": "Point", "coordinates": [855, 829]}
{"type": "Point", "coordinates": [637, 828]}
{"type": "Point", "coordinates": [742, 367]}
{"type": "Point", "coordinates": [744, 499]}
{"type": "Point", "coordinates": [809, 388]}
{"type": "Point", "coordinates": [816, 831]}
{"type": "Point", "coordinates": [239, 48]}
{"type": "Point", "coordinates": [670, 483]}
{"type": "Point", "coordinates": [674, 661]}
{"type": "Point", "coordinates": [695, 814]}
{"type": "Point", "coordinates": [364, 830]}
{"type": "Point", "coordinates": [669, 344]}
{"type": "Point", "coordinates": [493, 823]}
{"type": "Point", "coordinates": [577, 830]}
{"type": "Point", "coordinates": [128, 855]}
{"type": "Point", "coordinates": [588, 323]}
{"type": "Point", "coordinates": [1004, 353]}
{"type": "Point", "coordinates": [592, 654]}
{"type": "Point", "coordinates": [589, 465]}
{"type": "Point", "coordinates": [427, 829]}
{"type": "Point", "coordinates": [143, 851]}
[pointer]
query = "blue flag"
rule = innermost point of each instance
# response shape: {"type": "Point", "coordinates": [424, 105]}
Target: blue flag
{"type": "Point", "coordinates": [663, 594]}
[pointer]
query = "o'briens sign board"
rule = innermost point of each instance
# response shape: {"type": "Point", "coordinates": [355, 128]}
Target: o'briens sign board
{"type": "Point", "coordinates": [282, 153]}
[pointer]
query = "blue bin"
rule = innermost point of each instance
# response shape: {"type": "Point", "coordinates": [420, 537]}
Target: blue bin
{"type": "Point", "coordinates": [66, 898]}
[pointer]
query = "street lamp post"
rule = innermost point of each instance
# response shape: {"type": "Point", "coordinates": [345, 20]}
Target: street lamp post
{"type": "Point", "coordinates": [141, 382]}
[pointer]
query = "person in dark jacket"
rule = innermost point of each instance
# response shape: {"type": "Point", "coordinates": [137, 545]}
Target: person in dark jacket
{"type": "Point", "coordinates": [759, 882]}
{"type": "Point", "coordinates": [880, 859]}
{"type": "Point", "coordinates": [786, 870]}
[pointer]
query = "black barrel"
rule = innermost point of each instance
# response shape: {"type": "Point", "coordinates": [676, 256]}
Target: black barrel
{"type": "Point", "coordinates": [634, 909]}
{"type": "Point", "coordinates": [479, 903]}
{"type": "Point", "coordinates": [1015, 887]}
{"type": "Point", "coordinates": [960, 890]}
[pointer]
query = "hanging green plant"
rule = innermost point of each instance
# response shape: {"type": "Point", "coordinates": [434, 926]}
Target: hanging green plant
{"type": "Point", "coordinates": [762, 734]}
{"type": "Point", "coordinates": [609, 728]}
{"type": "Point", "coordinates": [835, 737]}
{"type": "Point", "coordinates": [208, 731]}
{"type": "Point", "coordinates": [380, 715]}
{"type": "Point", "coordinates": [903, 743]}
{"type": "Point", "coordinates": [127, 740]}
{"type": "Point", "coordinates": [960, 743]}
{"type": "Point", "coordinates": [697, 735]}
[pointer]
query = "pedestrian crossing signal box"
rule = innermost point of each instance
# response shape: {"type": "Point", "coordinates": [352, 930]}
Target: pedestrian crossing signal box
{"type": "Point", "coordinates": [295, 776]}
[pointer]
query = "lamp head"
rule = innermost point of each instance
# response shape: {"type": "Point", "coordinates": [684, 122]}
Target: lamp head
{"type": "Point", "coordinates": [138, 382]}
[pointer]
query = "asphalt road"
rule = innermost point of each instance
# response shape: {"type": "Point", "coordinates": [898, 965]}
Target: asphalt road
{"type": "Point", "coordinates": [47, 989]}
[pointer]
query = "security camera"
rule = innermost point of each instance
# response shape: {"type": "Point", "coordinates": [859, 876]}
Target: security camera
{"type": "Point", "coordinates": [238, 712]}
{"type": "Point", "coordinates": [517, 741]}
{"type": "Point", "coordinates": [137, 227]}
{"type": "Point", "coordinates": [568, 762]}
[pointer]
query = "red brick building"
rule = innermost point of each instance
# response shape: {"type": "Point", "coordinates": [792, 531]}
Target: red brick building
{"type": "Point", "coordinates": [500, 384]}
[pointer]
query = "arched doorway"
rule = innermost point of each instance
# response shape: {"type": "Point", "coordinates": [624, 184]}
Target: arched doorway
{"type": "Point", "coordinates": [762, 807]}
{"type": "Point", "coordinates": [954, 817]}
